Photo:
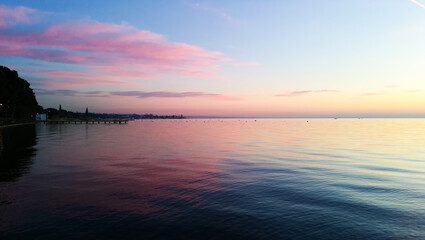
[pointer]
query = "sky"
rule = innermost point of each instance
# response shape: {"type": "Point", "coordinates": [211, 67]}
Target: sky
{"type": "Point", "coordinates": [292, 58]}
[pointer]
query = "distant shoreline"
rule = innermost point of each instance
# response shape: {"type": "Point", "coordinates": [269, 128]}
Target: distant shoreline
{"type": "Point", "coordinates": [212, 117]}
{"type": "Point", "coordinates": [246, 118]}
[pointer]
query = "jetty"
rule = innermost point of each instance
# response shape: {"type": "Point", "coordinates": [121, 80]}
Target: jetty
{"type": "Point", "coordinates": [86, 121]}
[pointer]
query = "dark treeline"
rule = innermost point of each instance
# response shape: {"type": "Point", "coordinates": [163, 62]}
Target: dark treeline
{"type": "Point", "coordinates": [18, 104]}
{"type": "Point", "coordinates": [64, 114]}
{"type": "Point", "coordinates": [17, 99]}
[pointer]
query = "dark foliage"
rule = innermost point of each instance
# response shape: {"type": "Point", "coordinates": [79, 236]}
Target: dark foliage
{"type": "Point", "coordinates": [17, 99]}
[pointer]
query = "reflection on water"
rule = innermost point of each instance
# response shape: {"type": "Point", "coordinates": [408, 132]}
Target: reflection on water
{"type": "Point", "coordinates": [218, 179]}
{"type": "Point", "coordinates": [16, 150]}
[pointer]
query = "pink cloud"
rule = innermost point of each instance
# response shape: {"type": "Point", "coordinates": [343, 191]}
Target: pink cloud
{"type": "Point", "coordinates": [11, 16]}
{"type": "Point", "coordinates": [326, 91]}
{"type": "Point", "coordinates": [110, 42]}
{"type": "Point", "coordinates": [119, 72]}
{"type": "Point", "coordinates": [194, 73]}
{"type": "Point", "coordinates": [142, 94]}
{"type": "Point", "coordinates": [304, 92]}
{"type": "Point", "coordinates": [138, 94]}
{"type": "Point", "coordinates": [78, 82]}
{"type": "Point", "coordinates": [294, 93]}
{"type": "Point", "coordinates": [111, 50]}
{"type": "Point", "coordinates": [95, 73]}
{"type": "Point", "coordinates": [243, 64]}
{"type": "Point", "coordinates": [73, 79]}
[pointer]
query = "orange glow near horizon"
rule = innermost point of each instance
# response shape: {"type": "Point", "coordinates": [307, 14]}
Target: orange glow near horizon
{"type": "Point", "coordinates": [325, 104]}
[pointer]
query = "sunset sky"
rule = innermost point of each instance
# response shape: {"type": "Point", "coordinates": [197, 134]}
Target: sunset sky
{"type": "Point", "coordinates": [292, 58]}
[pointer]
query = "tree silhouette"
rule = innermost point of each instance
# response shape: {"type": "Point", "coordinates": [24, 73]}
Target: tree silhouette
{"type": "Point", "coordinates": [17, 99]}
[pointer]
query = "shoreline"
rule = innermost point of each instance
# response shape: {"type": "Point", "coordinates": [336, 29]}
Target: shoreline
{"type": "Point", "coordinates": [16, 124]}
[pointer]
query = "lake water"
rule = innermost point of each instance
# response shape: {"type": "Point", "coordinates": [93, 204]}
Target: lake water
{"type": "Point", "coordinates": [215, 179]}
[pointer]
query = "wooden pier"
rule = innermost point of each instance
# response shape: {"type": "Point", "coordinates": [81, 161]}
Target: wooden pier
{"type": "Point", "coordinates": [91, 121]}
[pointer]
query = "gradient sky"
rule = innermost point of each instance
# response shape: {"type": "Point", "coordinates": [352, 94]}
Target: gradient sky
{"type": "Point", "coordinates": [293, 58]}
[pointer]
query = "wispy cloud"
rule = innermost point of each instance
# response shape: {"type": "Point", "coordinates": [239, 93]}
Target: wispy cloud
{"type": "Point", "coordinates": [63, 79]}
{"type": "Point", "coordinates": [12, 16]}
{"type": "Point", "coordinates": [418, 3]}
{"type": "Point", "coordinates": [374, 93]}
{"type": "Point", "coordinates": [304, 92]}
{"type": "Point", "coordinates": [141, 94]}
{"type": "Point", "coordinates": [388, 89]}
{"type": "Point", "coordinates": [392, 86]}
{"type": "Point", "coordinates": [326, 91]}
{"type": "Point", "coordinates": [294, 93]}
{"type": "Point", "coordinates": [414, 90]}
{"type": "Point", "coordinates": [71, 93]}
{"type": "Point", "coordinates": [243, 64]}
{"type": "Point", "coordinates": [138, 94]}
{"type": "Point", "coordinates": [214, 10]}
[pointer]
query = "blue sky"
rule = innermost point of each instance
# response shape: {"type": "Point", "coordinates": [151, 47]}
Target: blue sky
{"type": "Point", "coordinates": [277, 58]}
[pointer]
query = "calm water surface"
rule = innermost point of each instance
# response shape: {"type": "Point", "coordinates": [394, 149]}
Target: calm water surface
{"type": "Point", "coordinates": [215, 179]}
